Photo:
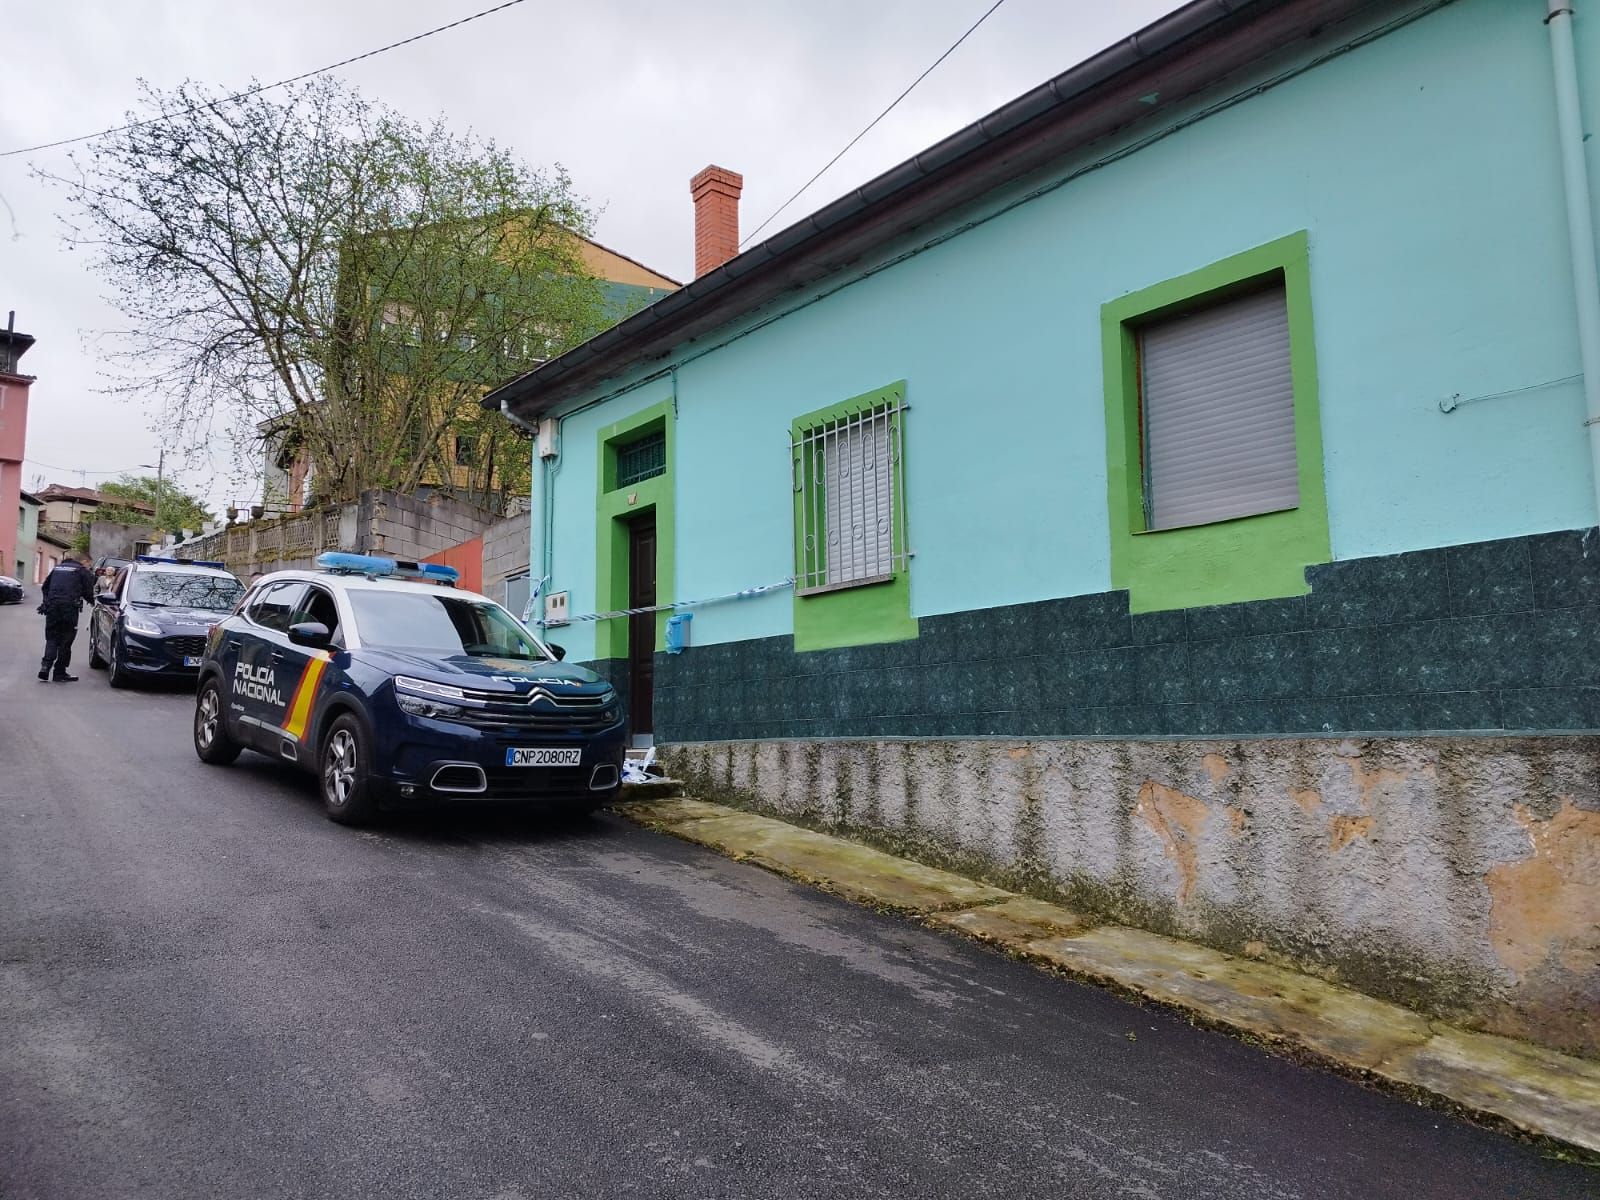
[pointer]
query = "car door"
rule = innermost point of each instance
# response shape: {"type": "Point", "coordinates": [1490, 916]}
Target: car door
{"type": "Point", "coordinates": [263, 676]}
{"type": "Point", "coordinates": [302, 668]}
{"type": "Point", "coordinates": [103, 620]}
{"type": "Point", "coordinates": [223, 645]}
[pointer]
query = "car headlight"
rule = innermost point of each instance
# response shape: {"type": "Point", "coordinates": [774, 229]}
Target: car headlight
{"type": "Point", "coordinates": [426, 687]}
{"type": "Point", "coordinates": [421, 706]}
{"type": "Point", "coordinates": [141, 625]}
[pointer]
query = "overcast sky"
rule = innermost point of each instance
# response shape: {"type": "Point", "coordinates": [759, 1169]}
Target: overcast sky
{"type": "Point", "coordinates": [632, 98]}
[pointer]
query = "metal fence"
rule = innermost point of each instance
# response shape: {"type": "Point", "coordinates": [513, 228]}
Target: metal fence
{"type": "Point", "coordinates": [263, 544]}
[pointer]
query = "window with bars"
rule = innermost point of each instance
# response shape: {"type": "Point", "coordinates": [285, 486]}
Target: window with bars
{"type": "Point", "coordinates": [849, 488]}
{"type": "Point", "coordinates": [641, 459]}
{"type": "Point", "coordinates": [1217, 402]}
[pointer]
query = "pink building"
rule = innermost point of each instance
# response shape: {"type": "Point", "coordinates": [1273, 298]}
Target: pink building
{"type": "Point", "coordinates": [13, 438]}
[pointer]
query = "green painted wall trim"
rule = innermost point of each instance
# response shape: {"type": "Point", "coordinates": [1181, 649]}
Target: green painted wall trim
{"type": "Point", "coordinates": [614, 508]}
{"type": "Point", "coordinates": [1251, 558]}
{"type": "Point", "coordinates": [855, 616]}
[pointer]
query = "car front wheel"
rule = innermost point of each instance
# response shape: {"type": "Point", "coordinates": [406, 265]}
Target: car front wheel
{"type": "Point", "coordinates": [119, 676]}
{"type": "Point", "coordinates": [96, 660]}
{"type": "Point", "coordinates": [211, 740]}
{"type": "Point", "coordinates": [346, 773]}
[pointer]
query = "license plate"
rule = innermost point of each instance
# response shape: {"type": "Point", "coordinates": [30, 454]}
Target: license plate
{"type": "Point", "coordinates": [539, 756]}
{"type": "Point", "coordinates": [191, 660]}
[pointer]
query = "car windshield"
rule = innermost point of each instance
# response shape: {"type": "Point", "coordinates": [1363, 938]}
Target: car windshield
{"type": "Point", "coordinates": [441, 623]}
{"type": "Point", "coordinates": [183, 589]}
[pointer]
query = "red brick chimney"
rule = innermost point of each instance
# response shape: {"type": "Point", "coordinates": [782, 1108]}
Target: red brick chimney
{"type": "Point", "coordinates": [716, 217]}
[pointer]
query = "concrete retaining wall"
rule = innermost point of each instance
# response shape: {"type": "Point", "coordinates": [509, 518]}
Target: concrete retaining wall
{"type": "Point", "coordinates": [414, 527]}
{"type": "Point", "coordinates": [505, 551]}
{"type": "Point", "coordinates": [1460, 876]}
{"type": "Point", "coordinates": [408, 527]}
{"type": "Point", "coordinates": [110, 538]}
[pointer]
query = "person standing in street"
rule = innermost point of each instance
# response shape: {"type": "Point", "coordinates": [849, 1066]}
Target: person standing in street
{"type": "Point", "coordinates": [65, 590]}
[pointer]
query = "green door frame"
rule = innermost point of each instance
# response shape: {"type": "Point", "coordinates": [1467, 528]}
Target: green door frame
{"type": "Point", "coordinates": [614, 508]}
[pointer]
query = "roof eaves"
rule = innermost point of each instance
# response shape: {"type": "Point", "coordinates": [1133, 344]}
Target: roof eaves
{"type": "Point", "coordinates": [804, 244]}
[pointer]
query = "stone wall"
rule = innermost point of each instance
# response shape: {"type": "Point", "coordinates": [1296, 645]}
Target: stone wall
{"type": "Point", "coordinates": [1456, 875]}
{"type": "Point", "coordinates": [276, 544]}
{"type": "Point", "coordinates": [408, 527]}
{"type": "Point", "coordinates": [1491, 636]}
{"type": "Point", "coordinates": [505, 551]}
{"type": "Point", "coordinates": [109, 538]}
{"type": "Point", "coordinates": [413, 527]}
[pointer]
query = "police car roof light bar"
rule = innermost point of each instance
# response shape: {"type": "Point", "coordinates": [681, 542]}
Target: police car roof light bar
{"type": "Point", "coordinates": [340, 562]}
{"type": "Point", "coordinates": [427, 572]}
{"type": "Point", "coordinates": [380, 566]}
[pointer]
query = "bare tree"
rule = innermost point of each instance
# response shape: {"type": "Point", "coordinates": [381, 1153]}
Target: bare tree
{"type": "Point", "coordinates": [321, 264]}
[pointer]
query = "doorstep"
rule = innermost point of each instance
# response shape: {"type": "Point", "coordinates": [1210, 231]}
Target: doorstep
{"type": "Point", "coordinates": [1501, 1082]}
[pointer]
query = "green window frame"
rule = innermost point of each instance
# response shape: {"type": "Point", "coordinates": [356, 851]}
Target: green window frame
{"type": "Point", "coordinates": [851, 549]}
{"type": "Point", "coordinates": [642, 458]}
{"type": "Point", "coordinates": [1256, 557]}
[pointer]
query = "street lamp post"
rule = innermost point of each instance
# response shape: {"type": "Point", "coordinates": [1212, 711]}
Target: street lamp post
{"type": "Point", "coordinates": [161, 473]}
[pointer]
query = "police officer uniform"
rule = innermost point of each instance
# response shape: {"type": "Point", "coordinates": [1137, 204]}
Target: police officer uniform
{"type": "Point", "coordinates": [65, 590]}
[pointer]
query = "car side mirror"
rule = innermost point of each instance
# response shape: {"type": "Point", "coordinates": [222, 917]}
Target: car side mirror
{"type": "Point", "coordinates": [312, 634]}
{"type": "Point", "coordinates": [559, 651]}
{"type": "Point", "coordinates": [105, 597]}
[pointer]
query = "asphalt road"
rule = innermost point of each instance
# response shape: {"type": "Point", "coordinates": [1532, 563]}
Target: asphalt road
{"type": "Point", "coordinates": [208, 990]}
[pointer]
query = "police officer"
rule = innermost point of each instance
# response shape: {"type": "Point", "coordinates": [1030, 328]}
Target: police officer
{"type": "Point", "coordinates": [65, 589]}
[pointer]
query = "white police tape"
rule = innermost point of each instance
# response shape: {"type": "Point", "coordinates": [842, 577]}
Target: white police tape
{"type": "Point", "coordinates": [533, 600]}
{"type": "Point", "coordinates": [652, 608]}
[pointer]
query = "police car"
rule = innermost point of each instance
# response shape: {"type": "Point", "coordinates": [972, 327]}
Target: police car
{"type": "Point", "coordinates": [392, 685]}
{"type": "Point", "coordinates": [152, 622]}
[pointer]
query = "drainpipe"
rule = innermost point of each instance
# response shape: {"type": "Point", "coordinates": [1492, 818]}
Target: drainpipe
{"type": "Point", "coordinates": [536, 519]}
{"type": "Point", "coordinates": [1580, 221]}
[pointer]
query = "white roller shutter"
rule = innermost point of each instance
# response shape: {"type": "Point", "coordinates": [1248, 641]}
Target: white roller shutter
{"type": "Point", "coordinates": [1219, 413]}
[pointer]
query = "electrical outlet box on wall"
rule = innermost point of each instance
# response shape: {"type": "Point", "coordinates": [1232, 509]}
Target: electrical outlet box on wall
{"type": "Point", "coordinates": [546, 437]}
{"type": "Point", "coordinates": [555, 609]}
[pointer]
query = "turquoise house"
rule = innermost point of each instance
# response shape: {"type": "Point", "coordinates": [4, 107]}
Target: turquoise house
{"type": "Point", "coordinates": [1389, 188]}
{"type": "Point", "coordinates": [1174, 492]}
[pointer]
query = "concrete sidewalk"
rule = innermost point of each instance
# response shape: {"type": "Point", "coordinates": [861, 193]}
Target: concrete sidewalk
{"type": "Point", "coordinates": [1508, 1084]}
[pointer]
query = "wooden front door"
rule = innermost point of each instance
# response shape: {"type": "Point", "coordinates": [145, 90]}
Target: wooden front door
{"type": "Point", "coordinates": [641, 626]}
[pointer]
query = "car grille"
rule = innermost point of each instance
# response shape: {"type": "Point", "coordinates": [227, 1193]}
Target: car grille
{"type": "Point", "coordinates": [538, 695]}
{"type": "Point", "coordinates": [543, 711]}
{"type": "Point", "coordinates": [537, 781]}
{"type": "Point", "coordinates": [186, 645]}
{"type": "Point", "coordinates": [538, 719]}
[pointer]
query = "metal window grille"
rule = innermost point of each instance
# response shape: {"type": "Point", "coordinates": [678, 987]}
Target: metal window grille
{"type": "Point", "coordinates": [849, 486]}
{"type": "Point", "coordinates": [642, 459]}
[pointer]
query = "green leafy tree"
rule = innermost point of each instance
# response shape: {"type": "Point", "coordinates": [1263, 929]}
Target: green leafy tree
{"type": "Point", "coordinates": [177, 508]}
{"type": "Point", "coordinates": [313, 263]}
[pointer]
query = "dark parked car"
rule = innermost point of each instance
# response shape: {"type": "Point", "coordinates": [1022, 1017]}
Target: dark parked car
{"type": "Point", "coordinates": [10, 590]}
{"type": "Point", "coordinates": [153, 620]}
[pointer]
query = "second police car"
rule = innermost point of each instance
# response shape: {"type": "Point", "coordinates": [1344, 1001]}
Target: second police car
{"type": "Point", "coordinates": [393, 689]}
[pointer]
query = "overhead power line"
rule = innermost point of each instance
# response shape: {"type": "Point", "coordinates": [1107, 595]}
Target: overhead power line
{"type": "Point", "coordinates": [265, 87]}
{"type": "Point", "coordinates": [912, 87]}
{"type": "Point", "coordinates": [82, 470]}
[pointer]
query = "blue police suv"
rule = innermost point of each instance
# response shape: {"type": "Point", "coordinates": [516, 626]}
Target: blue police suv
{"type": "Point", "coordinates": [393, 687]}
